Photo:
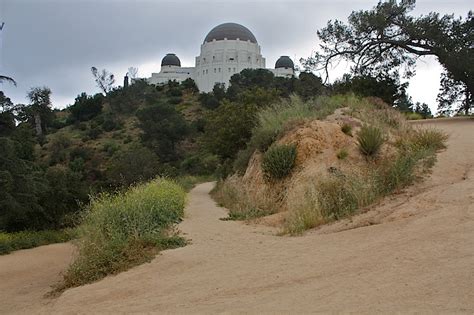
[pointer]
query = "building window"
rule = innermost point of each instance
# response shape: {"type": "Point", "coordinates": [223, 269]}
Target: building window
{"type": "Point", "coordinates": [234, 69]}
{"type": "Point", "coordinates": [219, 70]}
{"type": "Point", "coordinates": [229, 69]}
{"type": "Point", "coordinates": [215, 70]}
{"type": "Point", "coordinates": [207, 71]}
{"type": "Point", "coordinates": [203, 72]}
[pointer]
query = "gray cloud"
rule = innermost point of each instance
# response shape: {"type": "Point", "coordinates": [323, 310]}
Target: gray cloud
{"type": "Point", "coordinates": [55, 42]}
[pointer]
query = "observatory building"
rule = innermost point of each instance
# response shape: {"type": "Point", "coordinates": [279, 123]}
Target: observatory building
{"type": "Point", "coordinates": [227, 49]}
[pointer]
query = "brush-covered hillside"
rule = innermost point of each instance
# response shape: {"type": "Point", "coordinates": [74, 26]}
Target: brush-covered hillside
{"type": "Point", "coordinates": [56, 159]}
{"type": "Point", "coordinates": [312, 162]}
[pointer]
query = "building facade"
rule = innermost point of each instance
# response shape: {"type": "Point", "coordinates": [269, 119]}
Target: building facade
{"type": "Point", "coordinates": [227, 49]}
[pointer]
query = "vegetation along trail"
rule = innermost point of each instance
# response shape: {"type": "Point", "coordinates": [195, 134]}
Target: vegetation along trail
{"type": "Point", "coordinates": [416, 254]}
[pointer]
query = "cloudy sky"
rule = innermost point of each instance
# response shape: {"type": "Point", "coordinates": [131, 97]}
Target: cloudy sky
{"type": "Point", "coordinates": [54, 43]}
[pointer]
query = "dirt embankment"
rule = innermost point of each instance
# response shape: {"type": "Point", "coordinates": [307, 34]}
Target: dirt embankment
{"type": "Point", "coordinates": [413, 253]}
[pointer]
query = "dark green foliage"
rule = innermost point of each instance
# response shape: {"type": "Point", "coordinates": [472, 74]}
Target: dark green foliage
{"type": "Point", "coordinates": [131, 166]}
{"type": "Point", "coordinates": [249, 79]}
{"type": "Point", "coordinates": [208, 100]}
{"type": "Point", "coordinates": [10, 242]}
{"type": "Point", "coordinates": [370, 140]}
{"type": "Point", "coordinates": [63, 196]}
{"type": "Point", "coordinates": [200, 164]}
{"type": "Point", "coordinates": [423, 110]}
{"type": "Point", "coordinates": [228, 128]}
{"type": "Point", "coordinates": [390, 90]}
{"type": "Point", "coordinates": [347, 129]}
{"type": "Point", "coordinates": [86, 107]}
{"type": "Point", "coordinates": [110, 123]}
{"type": "Point", "coordinates": [278, 161]}
{"type": "Point", "coordinates": [163, 127]}
{"type": "Point", "coordinates": [190, 85]}
{"type": "Point", "coordinates": [308, 85]}
{"type": "Point", "coordinates": [335, 199]}
{"type": "Point", "coordinates": [39, 113]}
{"type": "Point", "coordinates": [387, 40]}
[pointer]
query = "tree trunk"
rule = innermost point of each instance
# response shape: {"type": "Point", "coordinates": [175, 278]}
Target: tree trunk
{"type": "Point", "coordinates": [39, 130]}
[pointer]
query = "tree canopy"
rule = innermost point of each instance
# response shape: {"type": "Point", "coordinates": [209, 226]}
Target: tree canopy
{"type": "Point", "coordinates": [388, 41]}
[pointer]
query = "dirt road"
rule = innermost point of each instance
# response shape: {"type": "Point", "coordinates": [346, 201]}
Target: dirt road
{"type": "Point", "coordinates": [413, 253]}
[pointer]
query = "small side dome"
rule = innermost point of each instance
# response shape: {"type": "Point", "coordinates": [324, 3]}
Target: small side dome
{"type": "Point", "coordinates": [170, 60]}
{"type": "Point", "coordinates": [284, 62]}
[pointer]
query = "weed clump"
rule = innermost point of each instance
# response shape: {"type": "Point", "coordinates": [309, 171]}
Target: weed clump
{"type": "Point", "coordinates": [342, 154]}
{"type": "Point", "coordinates": [123, 230]}
{"type": "Point", "coordinates": [28, 239]}
{"type": "Point", "coordinates": [370, 140]}
{"type": "Point", "coordinates": [347, 129]}
{"type": "Point", "coordinates": [278, 161]}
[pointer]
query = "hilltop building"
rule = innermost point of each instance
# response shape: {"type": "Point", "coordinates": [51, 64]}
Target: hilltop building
{"type": "Point", "coordinates": [227, 49]}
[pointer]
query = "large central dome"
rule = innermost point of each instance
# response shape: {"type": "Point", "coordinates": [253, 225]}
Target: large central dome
{"type": "Point", "coordinates": [231, 31]}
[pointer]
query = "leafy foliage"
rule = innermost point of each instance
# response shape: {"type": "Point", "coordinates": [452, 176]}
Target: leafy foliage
{"type": "Point", "coordinates": [163, 127]}
{"type": "Point", "coordinates": [120, 231]}
{"type": "Point", "coordinates": [86, 107]}
{"type": "Point", "coordinates": [370, 140]}
{"type": "Point", "coordinates": [386, 39]}
{"type": "Point", "coordinates": [278, 161]}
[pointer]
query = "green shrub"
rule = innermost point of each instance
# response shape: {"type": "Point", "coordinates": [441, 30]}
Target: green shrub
{"type": "Point", "coordinates": [28, 239]}
{"type": "Point", "coordinates": [123, 230]}
{"type": "Point", "coordinates": [347, 129]}
{"type": "Point", "coordinates": [429, 139]}
{"type": "Point", "coordinates": [272, 121]}
{"type": "Point", "coordinates": [398, 173]}
{"type": "Point", "coordinates": [278, 161]}
{"type": "Point", "coordinates": [370, 140]}
{"type": "Point", "coordinates": [413, 116]}
{"type": "Point", "coordinates": [244, 203]}
{"type": "Point", "coordinates": [335, 199]}
{"type": "Point", "coordinates": [342, 154]}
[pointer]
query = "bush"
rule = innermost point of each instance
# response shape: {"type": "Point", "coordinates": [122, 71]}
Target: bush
{"type": "Point", "coordinates": [274, 120]}
{"type": "Point", "coordinates": [28, 239]}
{"type": "Point", "coordinates": [413, 116]}
{"type": "Point", "coordinates": [123, 230]}
{"type": "Point", "coordinates": [244, 203]}
{"type": "Point", "coordinates": [342, 154]}
{"type": "Point", "coordinates": [347, 129]}
{"type": "Point", "coordinates": [430, 139]}
{"type": "Point", "coordinates": [336, 200]}
{"type": "Point", "coordinates": [370, 140]}
{"type": "Point", "coordinates": [278, 161]}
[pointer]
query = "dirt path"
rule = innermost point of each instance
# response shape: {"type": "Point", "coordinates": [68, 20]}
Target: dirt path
{"type": "Point", "coordinates": [417, 256]}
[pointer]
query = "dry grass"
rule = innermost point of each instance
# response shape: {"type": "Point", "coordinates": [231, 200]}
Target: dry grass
{"type": "Point", "coordinates": [243, 201]}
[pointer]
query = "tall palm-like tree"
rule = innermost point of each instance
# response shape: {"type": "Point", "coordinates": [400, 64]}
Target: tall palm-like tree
{"type": "Point", "coordinates": [8, 79]}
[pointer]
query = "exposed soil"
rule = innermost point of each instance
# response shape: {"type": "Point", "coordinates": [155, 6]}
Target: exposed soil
{"type": "Point", "coordinates": [412, 253]}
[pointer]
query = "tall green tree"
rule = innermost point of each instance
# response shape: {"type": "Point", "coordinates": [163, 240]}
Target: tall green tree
{"type": "Point", "coordinates": [387, 40]}
{"type": "Point", "coordinates": [40, 108]}
{"type": "Point", "coordinates": [163, 127]}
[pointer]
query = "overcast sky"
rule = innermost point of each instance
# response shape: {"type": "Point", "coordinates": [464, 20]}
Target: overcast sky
{"type": "Point", "coordinates": [54, 43]}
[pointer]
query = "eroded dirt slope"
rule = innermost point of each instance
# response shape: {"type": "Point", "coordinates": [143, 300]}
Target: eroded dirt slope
{"type": "Point", "coordinates": [414, 252]}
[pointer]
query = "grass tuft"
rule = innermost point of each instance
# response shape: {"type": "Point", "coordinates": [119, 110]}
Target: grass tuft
{"type": "Point", "coordinates": [370, 140]}
{"type": "Point", "coordinates": [342, 154]}
{"type": "Point", "coordinates": [278, 161]}
{"type": "Point", "coordinates": [10, 242]}
{"type": "Point", "coordinates": [347, 129]}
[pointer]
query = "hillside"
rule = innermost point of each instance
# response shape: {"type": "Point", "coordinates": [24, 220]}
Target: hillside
{"type": "Point", "coordinates": [415, 247]}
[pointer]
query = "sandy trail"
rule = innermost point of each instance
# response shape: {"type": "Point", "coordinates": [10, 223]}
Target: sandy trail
{"type": "Point", "coordinates": [416, 255]}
